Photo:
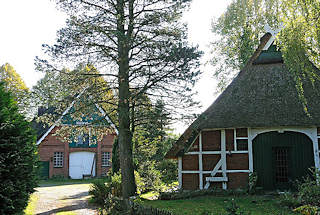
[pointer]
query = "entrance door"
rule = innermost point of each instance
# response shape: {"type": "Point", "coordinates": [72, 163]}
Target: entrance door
{"type": "Point", "coordinates": [281, 158]}
{"type": "Point", "coordinates": [81, 163]}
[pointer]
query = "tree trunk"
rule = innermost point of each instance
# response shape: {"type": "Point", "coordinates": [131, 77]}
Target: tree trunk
{"type": "Point", "coordinates": [125, 136]}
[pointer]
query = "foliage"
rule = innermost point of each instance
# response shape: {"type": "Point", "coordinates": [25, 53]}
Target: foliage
{"type": "Point", "coordinates": [233, 208]}
{"type": "Point", "coordinates": [14, 83]}
{"type": "Point", "coordinates": [238, 32]}
{"type": "Point", "coordinates": [289, 200]}
{"type": "Point", "coordinates": [309, 190]}
{"type": "Point", "coordinates": [253, 178]}
{"type": "Point", "coordinates": [241, 26]}
{"type": "Point", "coordinates": [99, 191]}
{"type": "Point", "coordinates": [308, 210]}
{"type": "Point", "coordinates": [18, 158]}
{"type": "Point", "coordinates": [141, 48]}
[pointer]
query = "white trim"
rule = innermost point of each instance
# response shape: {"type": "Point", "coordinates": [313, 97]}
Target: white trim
{"type": "Point", "coordinates": [67, 110]}
{"type": "Point", "coordinates": [55, 124]}
{"type": "Point", "coordinates": [218, 171]}
{"type": "Point", "coordinates": [250, 151]}
{"type": "Point", "coordinates": [107, 118]}
{"type": "Point", "coordinates": [216, 179]}
{"type": "Point", "coordinates": [235, 139]}
{"type": "Point", "coordinates": [180, 172]}
{"type": "Point", "coordinates": [217, 152]}
{"type": "Point", "coordinates": [213, 172]}
{"type": "Point", "coordinates": [194, 140]}
{"type": "Point", "coordinates": [200, 162]}
{"type": "Point", "coordinates": [223, 158]}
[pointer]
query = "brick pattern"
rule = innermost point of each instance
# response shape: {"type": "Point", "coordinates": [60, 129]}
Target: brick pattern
{"type": "Point", "coordinates": [210, 161]}
{"type": "Point", "coordinates": [237, 180]}
{"type": "Point", "coordinates": [190, 162]}
{"type": "Point", "coordinates": [190, 181]}
{"type": "Point", "coordinates": [238, 161]}
{"type": "Point", "coordinates": [229, 139]}
{"type": "Point", "coordinates": [53, 144]}
{"type": "Point", "coordinates": [211, 140]}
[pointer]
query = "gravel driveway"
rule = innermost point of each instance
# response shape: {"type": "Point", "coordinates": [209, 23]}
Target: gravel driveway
{"type": "Point", "coordinates": [71, 198]}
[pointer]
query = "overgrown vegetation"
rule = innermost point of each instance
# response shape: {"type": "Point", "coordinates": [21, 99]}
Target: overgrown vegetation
{"type": "Point", "coordinates": [307, 198]}
{"type": "Point", "coordinates": [18, 159]}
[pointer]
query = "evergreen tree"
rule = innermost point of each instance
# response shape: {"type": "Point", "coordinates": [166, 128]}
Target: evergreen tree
{"type": "Point", "coordinates": [140, 48]}
{"type": "Point", "coordinates": [17, 156]}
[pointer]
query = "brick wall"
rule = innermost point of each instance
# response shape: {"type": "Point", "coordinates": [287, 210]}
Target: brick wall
{"type": "Point", "coordinates": [53, 144]}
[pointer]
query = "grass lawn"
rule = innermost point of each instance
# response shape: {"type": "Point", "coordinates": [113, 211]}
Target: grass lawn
{"type": "Point", "coordinates": [31, 204]}
{"type": "Point", "coordinates": [57, 182]}
{"type": "Point", "coordinates": [256, 205]}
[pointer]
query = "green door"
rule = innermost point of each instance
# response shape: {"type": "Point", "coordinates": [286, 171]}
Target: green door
{"type": "Point", "coordinates": [44, 169]}
{"type": "Point", "coordinates": [281, 158]}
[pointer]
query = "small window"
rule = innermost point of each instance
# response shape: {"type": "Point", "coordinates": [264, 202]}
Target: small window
{"type": "Point", "coordinates": [58, 159]}
{"type": "Point", "coordinates": [242, 145]}
{"type": "Point", "coordinates": [83, 140]}
{"type": "Point", "coordinates": [105, 159]}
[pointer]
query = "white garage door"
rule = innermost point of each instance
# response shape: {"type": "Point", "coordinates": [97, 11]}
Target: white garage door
{"type": "Point", "coordinates": [81, 163]}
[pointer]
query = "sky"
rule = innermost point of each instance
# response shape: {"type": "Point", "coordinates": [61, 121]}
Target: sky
{"type": "Point", "coordinates": [26, 25]}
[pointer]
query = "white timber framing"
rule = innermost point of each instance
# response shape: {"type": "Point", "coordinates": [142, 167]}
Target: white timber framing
{"type": "Point", "coordinates": [200, 163]}
{"type": "Point", "coordinates": [224, 158]}
{"type": "Point", "coordinates": [180, 172]}
{"type": "Point", "coordinates": [221, 165]}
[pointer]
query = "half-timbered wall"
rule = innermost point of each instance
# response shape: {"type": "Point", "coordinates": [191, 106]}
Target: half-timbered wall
{"type": "Point", "coordinates": [223, 158]}
{"type": "Point", "coordinates": [217, 158]}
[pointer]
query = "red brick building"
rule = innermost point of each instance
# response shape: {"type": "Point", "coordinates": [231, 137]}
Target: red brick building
{"type": "Point", "coordinates": [83, 156]}
{"type": "Point", "coordinates": [258, 124]}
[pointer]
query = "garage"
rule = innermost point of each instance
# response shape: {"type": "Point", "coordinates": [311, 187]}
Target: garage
{"type": "Point", "coordinates": [82, 164]}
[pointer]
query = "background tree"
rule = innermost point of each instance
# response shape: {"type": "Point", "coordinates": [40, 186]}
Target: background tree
{"type": "Point", "coordinates": [15, 84]}
{"type": "Point", "coordinates": [241, 26]}
{"type": "Point", "coordinates": [17, 156]}
{"type": "Point", "coordinates": [140, 48]}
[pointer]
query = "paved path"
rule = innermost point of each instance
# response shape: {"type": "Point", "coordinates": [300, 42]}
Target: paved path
{"type": "Point", "coordinates": [64, 198]}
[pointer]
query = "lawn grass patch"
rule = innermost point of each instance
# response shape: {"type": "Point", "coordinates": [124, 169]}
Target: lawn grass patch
{"type": "Point", "coordinates": [58, 182]}
{"type": "Point", "coordinates": [255, 205]}
{"type": "Point", "coordinates": [32, 203]}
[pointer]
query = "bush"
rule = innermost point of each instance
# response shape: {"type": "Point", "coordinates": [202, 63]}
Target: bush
{"type": "Point", "coordinates": [290, 200]}
{"type": "Point", "coordinates": [18, 158]}
{"type": "Point", "coordinates": [99, 192]}
{"type": "Point", "coordinates": [309, 191]}
{"type": "Point", "coordinates": [307, 210]}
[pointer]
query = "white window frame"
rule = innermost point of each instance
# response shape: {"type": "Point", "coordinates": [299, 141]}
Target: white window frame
{"type": "Point", "coordinates": [58, 159]}
{"type": "Point", "coordinates": [105, 159]}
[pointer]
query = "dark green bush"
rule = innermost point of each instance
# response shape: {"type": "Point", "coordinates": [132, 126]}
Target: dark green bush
{"type": "Point", "coordinates": [99, 192]}
{"type": "Point", "coordinates": [18, 159]}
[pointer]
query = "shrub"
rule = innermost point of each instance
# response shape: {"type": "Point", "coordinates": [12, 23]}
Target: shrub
{"type": "Point", "coordinates": [308, 210]}
{"type": "Point", "coordinates": [309, 190]}
{"type": "Point", "coordinates": [18, 159]}
{"type": "Point", "coordinates": [99, 192]}
{"type": "Point", "coordinates": [290, 200]}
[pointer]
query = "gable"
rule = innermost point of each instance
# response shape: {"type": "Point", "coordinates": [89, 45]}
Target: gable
{"type": "Point", "coordinates": [74, 115]}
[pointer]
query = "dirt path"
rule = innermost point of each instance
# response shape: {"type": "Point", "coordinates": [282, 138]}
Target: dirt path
{"type": "Point", "coordinates": [71, 199]}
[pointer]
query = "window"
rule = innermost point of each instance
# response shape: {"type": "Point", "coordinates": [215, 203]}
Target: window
{"type": "Point", "coordinates": [83, 139]}
{"type": "Point", "coordinates": [105, 159]}
{"type": "Point", "coordinates": [58, 159]}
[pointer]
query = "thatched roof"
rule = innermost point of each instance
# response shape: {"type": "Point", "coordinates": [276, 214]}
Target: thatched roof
{"type": "Point", "coordinates": [264, 94]}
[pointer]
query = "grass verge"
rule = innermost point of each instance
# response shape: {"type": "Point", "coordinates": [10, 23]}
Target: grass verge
{"type": "Point", "coordinates": [253, 205]}
{"type": "Point", "coordinates": [32, 203]}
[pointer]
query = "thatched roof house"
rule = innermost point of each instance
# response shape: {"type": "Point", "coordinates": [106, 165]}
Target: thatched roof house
{"type": "Point", "coordinates": [262, 113]}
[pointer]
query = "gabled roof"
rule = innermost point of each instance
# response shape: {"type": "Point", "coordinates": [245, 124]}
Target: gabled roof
{"type": "Point", "coordinates": [263, 94]}
{"type": "Point", "coordinates": [107, 118]}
